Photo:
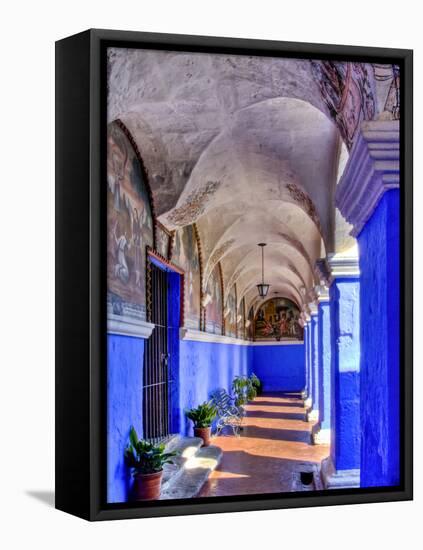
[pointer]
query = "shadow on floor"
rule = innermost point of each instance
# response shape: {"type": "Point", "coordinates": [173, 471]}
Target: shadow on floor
{"type": "Point", "coordinates": [259, 402]}
{"type": "Point", "coordinates": [46, 497]}
{"type": "Point", "coordinates": [269, 414]}
{"type": "Point", "coordinates": [242, 473]}
{"type": "Point", "coordinates": [276, 434]}
{"type": "Point", "coordinates": [281, 395]}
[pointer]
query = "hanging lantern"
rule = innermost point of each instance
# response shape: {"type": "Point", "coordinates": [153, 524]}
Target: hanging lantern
{"type": "Point", "coordinates": [262, 288]}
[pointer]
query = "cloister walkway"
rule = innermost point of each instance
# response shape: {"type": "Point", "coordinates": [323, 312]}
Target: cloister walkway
{"type": "Point", "coordinates": [274, 447]}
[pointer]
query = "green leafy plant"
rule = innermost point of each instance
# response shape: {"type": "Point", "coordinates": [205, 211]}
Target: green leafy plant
{"type": "Point", "coordinates": [245, 389]}
{"type": "Point", "coordinates": [144, 457]}
{"type": "Point", "coordinates": [203, 415]}
{"type": "Point", "coordinates": [256, 382]}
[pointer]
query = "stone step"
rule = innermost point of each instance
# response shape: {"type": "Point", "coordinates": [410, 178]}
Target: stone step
{"type": "Point", "coordinates": [193, 474]}
{"type": "Point", "coordinates": [186, 447]}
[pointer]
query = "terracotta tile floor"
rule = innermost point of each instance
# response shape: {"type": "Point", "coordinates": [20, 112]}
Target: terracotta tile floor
{"type": "Point", "coordinates": [275, 442]}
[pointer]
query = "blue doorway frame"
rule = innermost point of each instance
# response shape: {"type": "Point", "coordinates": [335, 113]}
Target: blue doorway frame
{"type": "Point", "coordinates": [174, 286]}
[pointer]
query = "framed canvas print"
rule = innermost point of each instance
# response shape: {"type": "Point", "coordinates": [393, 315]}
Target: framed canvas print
{"type": "Point", "coordinates": [234, 274]}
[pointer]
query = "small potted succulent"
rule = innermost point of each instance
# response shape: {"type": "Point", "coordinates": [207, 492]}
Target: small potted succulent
{"type": "Point", "coordinates": [203, 416]}
{"type": "Point", "coordinates": [146, 461]}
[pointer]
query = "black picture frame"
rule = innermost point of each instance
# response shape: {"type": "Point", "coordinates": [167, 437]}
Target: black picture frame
{"type": "Point", "coordinates": [81, 286]}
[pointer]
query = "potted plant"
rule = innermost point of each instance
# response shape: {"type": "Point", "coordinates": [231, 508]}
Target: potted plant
{"type": "Point", "coordinates": [244, 389]}
{"type": "Point", "coordinates": [203, 416]}
{"type": "Point", "coordinates": [146, 461]}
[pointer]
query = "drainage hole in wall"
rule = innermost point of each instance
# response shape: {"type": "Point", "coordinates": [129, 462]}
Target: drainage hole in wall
{"type": "Point", "coordinates": [306, 478]}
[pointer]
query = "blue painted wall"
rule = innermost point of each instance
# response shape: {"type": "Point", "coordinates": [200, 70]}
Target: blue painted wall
{"type": "Point", "coordinates": [309, 352]}
{"type": "Point", "coordinates": [124, 408]}
{"type": "Point", "coordinates": [306, 363]}
{"type": "Point", "coordinates": [197, 368]}
{"type": "Point", "coordinates": [345, 380]}
{"type": "Point", "coordinates": [280, 368]}
{"type": "Point", "coordinates": [174, 300]}
{"type": "Point", "coordinates": [204, 367]}
{"type": "Point", "coordinates": [325, 353]}
{"type": "Point", "coordinates": [314, 357]}
{"type": "Point", "coordinates": [379, 265]}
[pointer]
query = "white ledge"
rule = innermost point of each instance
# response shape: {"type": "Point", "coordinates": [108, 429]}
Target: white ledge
{"type": "Point", "coordinates": [322, 293]}
{"type": "Point", "coordinates": [128, 326]}
{"type": "Point", "coordinates": [308, 402]}
{"type": "Point", "coordinates": [346, 267]}
{"type": "Point", "coordinates": [321, 437]}
{"type": "Point", "coordinates": [312, 415]}
{"type": "Point", "coordinates": [372, 169]}
{"type": "Point", "coordinates": [200, 336]}
{"type": "Point", "coordinates": [276, 343]}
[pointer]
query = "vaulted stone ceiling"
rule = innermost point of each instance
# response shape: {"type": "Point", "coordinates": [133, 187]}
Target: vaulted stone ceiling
{"type": "Point", "coordinates": [246, 148]}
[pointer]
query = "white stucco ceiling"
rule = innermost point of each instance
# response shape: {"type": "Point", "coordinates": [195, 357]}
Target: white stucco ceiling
{"type": "Point", "coordinates": [242, 146]}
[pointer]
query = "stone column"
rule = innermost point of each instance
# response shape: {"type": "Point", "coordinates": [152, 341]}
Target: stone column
{"type": "Point", "coordinates": [307, 355]}
{"type": "Point", "coordinates": [322, 432]}
{"type": "Point", "coordinates": [368, 197]}
{"type": "Point", "coordinates": [342, 468]}
{"type": "Point", "coordinates": [313, 410]}
{"type": "Point", "coordinates": [305, 336]}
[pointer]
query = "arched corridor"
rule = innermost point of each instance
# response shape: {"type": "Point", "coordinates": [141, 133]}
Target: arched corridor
{"type": "Point", "coordinates": [210, 156]}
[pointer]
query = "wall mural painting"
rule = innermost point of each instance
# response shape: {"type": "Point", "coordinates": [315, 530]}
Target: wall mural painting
{"type": "Point", "coordinates": [213, 312]}
{"type": "Point", "coordinates": [392, 103]}
{"type": "Point", "coordinates": [278, 319]}
{"type": "Point", "coordinates": [129, 227]}
{"type": "Point", "coordinates": [241, 320]}
{"type": "Point", "coordinates": [231, 313]}
{"type": "Point", "coordinates": [347, 91]}
{"type": "Point", "coordinates": [185, 255]}
{"type": "Point", "coordinates": [163, 240]}
{"type": "Point", "coordinates": [250, 324]}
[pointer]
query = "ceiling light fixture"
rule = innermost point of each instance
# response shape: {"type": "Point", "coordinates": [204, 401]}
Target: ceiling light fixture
{"type": "Point", "coordinates": [262, 288]}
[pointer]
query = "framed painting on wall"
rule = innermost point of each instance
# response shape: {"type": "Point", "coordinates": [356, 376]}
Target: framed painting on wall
{"type": "Point", "coordinates": [234, 229]}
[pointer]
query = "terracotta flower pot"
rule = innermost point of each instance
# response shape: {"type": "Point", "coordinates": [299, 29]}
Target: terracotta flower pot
{"type": "Point", "coordinates": [205, 434]}
{"type": "Point", "coordinates": [147, 486]}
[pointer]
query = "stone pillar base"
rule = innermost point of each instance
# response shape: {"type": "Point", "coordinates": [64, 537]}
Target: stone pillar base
{"type": "Point", "coordinates": [308, 403]}
{"type": "Point", "coordinates": [338, 479]}
{"type": "Point", "coordinates": [321, 437]}
{"type": "Point", "coordinates": [312, 415]}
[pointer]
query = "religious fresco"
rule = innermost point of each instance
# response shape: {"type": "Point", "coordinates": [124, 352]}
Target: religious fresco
{"type": "Point", "coordinates": [129, 227]}
{"type": "Point", "coordinates": [250, 321]}
{"type": "Point", "coordinates": [163, 240]}
{"type": "Point", "coordinates": [219, 252]}
{"type": "Point", "coordinates": [214, 306]}
{"type": "Point", "coordinates": [186, 256]}
{"type": "Point", "coordinates": [231, 313]}
{"type": "Point", "coordinates": [277, 319]}
{"type": "Point", "coordinates": [392, 104]}
{"type": "Point", "coordinates": [347, 90]}
{"type": "Point", "coordinates": [241, 320]}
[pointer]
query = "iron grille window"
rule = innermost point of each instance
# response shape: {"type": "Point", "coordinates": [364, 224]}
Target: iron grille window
{"type": "Point", "coordinates": [156, 394]}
